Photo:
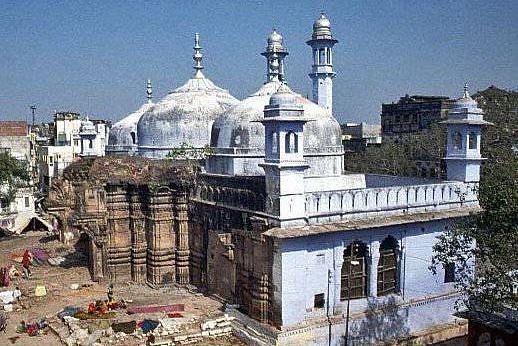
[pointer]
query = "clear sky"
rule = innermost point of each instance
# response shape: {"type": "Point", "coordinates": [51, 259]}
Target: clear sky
{"type": "Point", "coordinates": [94, 57]}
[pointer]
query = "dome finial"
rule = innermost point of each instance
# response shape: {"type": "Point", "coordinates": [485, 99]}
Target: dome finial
{"type": "Point", "coordinates": [197, 57]}
{"type": "Point", "coordinates": [149, 91]}
{"type": "Point", "coordinates": [466, 93]}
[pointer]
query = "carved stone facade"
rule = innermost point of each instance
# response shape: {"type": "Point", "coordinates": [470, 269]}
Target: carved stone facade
{"type": "Point", "coordinates": [136, 231]}
{"type": "Point", "coordinates": [208, 234]}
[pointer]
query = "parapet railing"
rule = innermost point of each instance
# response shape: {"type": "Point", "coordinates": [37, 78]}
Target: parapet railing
{"type": "Point", "coordinates": [437, 196]}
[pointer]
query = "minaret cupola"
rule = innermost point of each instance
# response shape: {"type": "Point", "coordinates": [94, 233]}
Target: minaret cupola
{"type": "Point", "coordinates": [322, 74]}
{"type": "Point", "coordinates": [464, 128]}
{"type": "Point", "coordinates": [275, 54]}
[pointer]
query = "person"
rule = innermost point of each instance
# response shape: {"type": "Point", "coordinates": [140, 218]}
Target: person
{"type": "Point", "coordinates": [26, 262]}
{"type": "Point", "coordinates": [110, 293]}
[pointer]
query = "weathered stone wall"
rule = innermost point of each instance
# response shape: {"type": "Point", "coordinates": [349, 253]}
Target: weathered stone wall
{"type": "Point", "coordinates": [229, 256]}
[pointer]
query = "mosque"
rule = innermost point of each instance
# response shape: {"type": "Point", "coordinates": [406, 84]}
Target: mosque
{"type": "Point", "coordinates": [304, 253]}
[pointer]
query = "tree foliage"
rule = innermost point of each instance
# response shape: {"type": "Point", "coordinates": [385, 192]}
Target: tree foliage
{"type": "Point", "coordinates": [400, 157]}
{"type": "Point", "coordinates": [13, 174]}
{"type": "Point", "coordinates": [188, 152]}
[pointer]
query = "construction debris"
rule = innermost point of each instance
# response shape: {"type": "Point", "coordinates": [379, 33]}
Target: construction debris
{"type": "Point", "coordinates": [8, 297]}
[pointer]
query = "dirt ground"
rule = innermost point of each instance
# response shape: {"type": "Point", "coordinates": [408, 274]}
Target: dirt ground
{"type": "Point", "coordinates": [57, 281]}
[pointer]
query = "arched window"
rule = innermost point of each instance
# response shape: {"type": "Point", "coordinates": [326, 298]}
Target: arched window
{"type": "Point", "coordinates": [90, 144]}
{"type": "Point", "coordinates": [133, 138]}
{"type": "Point", "coordinates": [457, 140]}
{"type": "Point", "coordinates": [321, 56]}
{"type": "Point", "coordinates": [275, 142]}
{"type": "Point", "coordinates": [291, 143]}
{"type": "Point", "coordinates": [472, 143]}
{"type": "Point", "coordinates": [354, 272]}
{"type": "Point", "coordinates": [388, 267]}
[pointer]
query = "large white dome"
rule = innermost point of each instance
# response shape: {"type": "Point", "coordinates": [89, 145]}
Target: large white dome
{"type": "Point", "coordinates": [184, 116]}
{"type": "Point", "coordinates": [239, 132]}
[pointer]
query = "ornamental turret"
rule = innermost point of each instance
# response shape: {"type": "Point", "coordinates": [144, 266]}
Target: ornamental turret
{"type": "Point", "coordinates": [275, 54]}
{"type": "Point", "coordinates": [322, 73]}
{"type": "Point", "coordinates": [284, 163]}
{"type": "Point", "coordinates": [464, 129]}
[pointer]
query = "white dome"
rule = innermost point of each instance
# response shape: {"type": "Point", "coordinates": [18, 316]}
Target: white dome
{"type": "Point", "coordinates": [322, 28]}
{"type": "Point", "coordinates": [184, 116]}
{"type": "Point", "coordinates": [123, 137]}
{"type": "Point", "coordinates": [240, 131]}
{"type": "Point", "coordinates": [240, 127]}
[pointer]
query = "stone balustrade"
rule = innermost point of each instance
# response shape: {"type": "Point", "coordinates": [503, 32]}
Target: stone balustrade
{"type": "Point", "coordinates": [394, 199]}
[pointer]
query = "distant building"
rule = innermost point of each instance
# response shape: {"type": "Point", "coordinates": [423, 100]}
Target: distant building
{"type": "Point", "coordinates": [18, 211]}
{"type": "Point", "coordinates": [51, 162]}
{"type": "Point", "coordinates": [93, 137]}
{"type": "Point", "coordinates": [413, 113]}
{"type": "Point", "coordinates": [72, 137]}
{"type": "Point", "coordinates": [356, 137]}
{"type": "Point", "coordinates": [66, 130]}
{"type": "Point", "coordinates": [14, 138]}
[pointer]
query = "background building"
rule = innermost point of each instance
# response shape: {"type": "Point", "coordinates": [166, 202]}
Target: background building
{"type": "Point", "coordinates": [357, 137]}
{"type": "Point", "coordinates": [14, 139]}
{"type": "Point", "coordinates": [412, 114]}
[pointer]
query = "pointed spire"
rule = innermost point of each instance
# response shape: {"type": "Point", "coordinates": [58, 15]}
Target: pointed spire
{"type": "Point", "coordinates": [197, 57]}
{"type": "Point", "coordinates": [466, 93]}
{"type": "Point", "coordinates": [149, 91]}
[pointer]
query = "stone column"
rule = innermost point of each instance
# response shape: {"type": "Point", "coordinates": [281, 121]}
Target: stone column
{"type": "Point", "coordinates": [182, 238]}
{"type": "Point", "coordinates": [138, 238]}
{"type": "Point", "coordinates": [373, 260]}
{"type": "Point", "coordinates": [160, 240]}
{"type": "Point", "coordinates": [259, 299]}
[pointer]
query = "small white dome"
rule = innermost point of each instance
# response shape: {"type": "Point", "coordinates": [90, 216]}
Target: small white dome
{"type": "Point", "coordinates": [284, 96]}
{"type": "Point", "coordinates": [275, 42]}
{"type": "Point", "coordinates": [322, 28]}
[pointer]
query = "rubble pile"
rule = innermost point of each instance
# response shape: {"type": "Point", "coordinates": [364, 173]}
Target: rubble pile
{"type": "Point", "coordinates": [166, 334]}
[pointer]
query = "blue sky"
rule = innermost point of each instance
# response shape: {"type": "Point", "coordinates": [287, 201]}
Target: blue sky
{"type": "Point", "coordinates": [94, 57]}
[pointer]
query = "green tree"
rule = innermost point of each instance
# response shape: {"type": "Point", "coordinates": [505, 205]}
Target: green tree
{"type": "Point", "coordinates": [401, 157]}
{"type": "Point", "coordinates": [188, 152]}
{"type": "Point", "coordinates": [13, 174]}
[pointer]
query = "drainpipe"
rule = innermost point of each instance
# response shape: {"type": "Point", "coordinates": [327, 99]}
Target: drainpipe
{"type": "Point", "coordinates": [327, 305]}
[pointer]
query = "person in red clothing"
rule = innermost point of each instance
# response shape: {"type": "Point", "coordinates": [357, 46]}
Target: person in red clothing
{"type": "Point", "coordinates": [26, 263]}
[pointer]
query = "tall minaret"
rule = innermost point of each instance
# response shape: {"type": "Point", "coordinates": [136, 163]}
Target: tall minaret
{"type": "Point", "coordinates": [197, 57]}
{"type": "Point", "coordinates": [322, 73]}
{"type": "Point", "coordinates": [275, 54]}
{"type": "Point", "coordinates": [464, 128]}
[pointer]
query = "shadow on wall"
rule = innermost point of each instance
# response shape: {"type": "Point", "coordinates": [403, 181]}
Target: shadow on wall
{"type": "Point", "coordinates": [383, 321]}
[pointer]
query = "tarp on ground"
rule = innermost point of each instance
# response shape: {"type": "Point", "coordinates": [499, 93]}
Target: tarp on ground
{"type": "Point", "coordinates": [156, 308]}
{"type": "Point", "coordinates": [15, 224]}
{"type": "Point", "coordinates": [125, 327]}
